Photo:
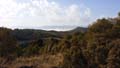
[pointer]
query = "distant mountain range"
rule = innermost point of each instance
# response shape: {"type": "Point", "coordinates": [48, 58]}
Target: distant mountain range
{"type": "Point", "coordinates": [49, 28]}
{"type": "Point", "coordinates": [64, 28]}
{"type": "Point", "coordinates": [58, 28]}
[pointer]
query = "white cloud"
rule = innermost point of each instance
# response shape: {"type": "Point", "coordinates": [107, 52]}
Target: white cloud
{"type": "Point", "coordinates": [40, 13]}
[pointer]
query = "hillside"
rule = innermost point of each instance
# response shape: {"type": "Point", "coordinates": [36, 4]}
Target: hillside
{"type": "Point", "coordinates": [32, 34]}
{"type": "Point", "coordinates": [97, 46]}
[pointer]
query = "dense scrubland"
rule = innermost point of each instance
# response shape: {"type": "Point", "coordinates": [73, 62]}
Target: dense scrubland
{"type": "Point", "coordinates": [97, 46]}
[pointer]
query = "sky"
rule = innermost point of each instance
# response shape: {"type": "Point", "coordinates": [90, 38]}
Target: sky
{"type": "Point", "coordinates": [39, 13]}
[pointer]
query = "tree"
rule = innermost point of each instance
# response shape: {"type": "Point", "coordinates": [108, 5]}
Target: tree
{"type": "Point", "coordinates": [32, 49]}
{"type": "Point", "coordinates": [119, 14]}
{"type": "Point", "coordinates": [8, 44]}
{"type": "Point", "coordinates": [73, 58]}
{"type": "Point", "coordinates": [114, 55]}
{"type": "Point", "coordinates": [100, 26]}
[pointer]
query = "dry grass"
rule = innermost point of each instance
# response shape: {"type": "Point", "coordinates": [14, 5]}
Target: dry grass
{"type": "Point", "coordinates": [43, 61]}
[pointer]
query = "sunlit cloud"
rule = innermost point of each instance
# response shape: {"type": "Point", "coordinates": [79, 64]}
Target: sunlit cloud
{"type": "Point", "coordinates": [42, 12]}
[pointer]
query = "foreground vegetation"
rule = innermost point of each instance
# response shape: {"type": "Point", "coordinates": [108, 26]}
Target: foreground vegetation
{"type": "Point", "coordinates": [96, 47]}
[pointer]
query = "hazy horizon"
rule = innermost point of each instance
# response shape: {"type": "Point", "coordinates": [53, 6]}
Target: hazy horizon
{"type": "Point", "coordinates": [47, 28]}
